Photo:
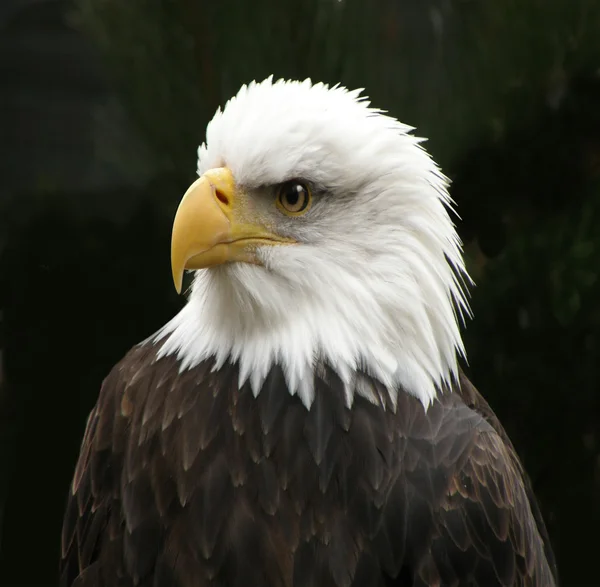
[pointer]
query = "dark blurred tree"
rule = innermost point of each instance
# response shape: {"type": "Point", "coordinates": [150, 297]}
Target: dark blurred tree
{"type": "Point", "coordinates": [77, 293]}
{"type": "Point", "coordinates": [530, 202]}
{"type": "Point", "coordinates": [508, 95]}
{"type": "Point", "coordinates": [457, 69]}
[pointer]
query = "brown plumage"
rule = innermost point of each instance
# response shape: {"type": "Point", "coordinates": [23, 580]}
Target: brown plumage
{"type": "Point", "coordinates": [185, 481]}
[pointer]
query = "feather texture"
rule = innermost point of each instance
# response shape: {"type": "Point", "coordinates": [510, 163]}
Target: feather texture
{"type": "Point", "coordinates": [184, 480]}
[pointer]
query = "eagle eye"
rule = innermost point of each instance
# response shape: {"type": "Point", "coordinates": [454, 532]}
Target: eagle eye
{"type": "Point", "coordinates": [294, 198]}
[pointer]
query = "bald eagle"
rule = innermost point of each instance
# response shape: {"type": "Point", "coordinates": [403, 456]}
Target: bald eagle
{"type": "Point", "coordinates": [303, 421]}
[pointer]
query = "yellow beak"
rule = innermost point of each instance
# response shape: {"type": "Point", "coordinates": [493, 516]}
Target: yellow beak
{"type": "Point", "coordinates": [215, 224]}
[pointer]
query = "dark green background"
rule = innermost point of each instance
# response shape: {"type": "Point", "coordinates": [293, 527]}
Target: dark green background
{"type": "Point", "coordinates": [102, 106]}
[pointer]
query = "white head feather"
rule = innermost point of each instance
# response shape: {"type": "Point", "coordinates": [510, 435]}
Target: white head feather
{"type": "Point", "coordinates": [376, 283]}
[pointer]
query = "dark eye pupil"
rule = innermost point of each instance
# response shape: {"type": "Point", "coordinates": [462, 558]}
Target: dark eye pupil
{"type": "Point", "coordinates": [293, 194]}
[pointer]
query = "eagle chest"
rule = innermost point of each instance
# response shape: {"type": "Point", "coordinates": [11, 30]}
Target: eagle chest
{"type": "Point", "coordinates": [234, 485]}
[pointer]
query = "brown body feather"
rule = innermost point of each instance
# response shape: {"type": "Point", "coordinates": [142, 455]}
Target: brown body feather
{"type": "Point", "coordinates": [184, 480]}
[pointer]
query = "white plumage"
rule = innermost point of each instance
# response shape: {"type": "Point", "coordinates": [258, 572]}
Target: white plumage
{"type": "Point", "coordinates": [376, 281]}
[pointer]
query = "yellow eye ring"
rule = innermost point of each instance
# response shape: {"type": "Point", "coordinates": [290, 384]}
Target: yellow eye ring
{"type": "Point", "coordinates": [294, 198]}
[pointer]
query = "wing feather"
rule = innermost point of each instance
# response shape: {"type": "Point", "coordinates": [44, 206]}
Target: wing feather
{"type": "Point", "coordinates": [485, 533]}
{"type": "Point", "coordinates": [184, 480]}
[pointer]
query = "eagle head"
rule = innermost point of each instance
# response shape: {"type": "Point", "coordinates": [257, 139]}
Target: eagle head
{"type": "Point", "coordinates": [319, 233]}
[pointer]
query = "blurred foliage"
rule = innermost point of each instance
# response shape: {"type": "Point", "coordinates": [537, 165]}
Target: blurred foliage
{"type": "Point", "coordinates": [508, 93]}
{"type": "Point", "coordinates": [534, 349]}
{"type": "Point", "coordinates": [77, 293]}
{"type": "Point", "coordinates": [455, 69]}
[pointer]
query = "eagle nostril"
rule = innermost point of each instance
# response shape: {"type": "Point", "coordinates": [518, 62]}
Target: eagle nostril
{"type": "Point", "coordinates": [222, 197]}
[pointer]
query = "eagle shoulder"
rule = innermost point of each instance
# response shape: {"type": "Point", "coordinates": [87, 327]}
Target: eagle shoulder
{"type": "Point", "coordinates": [477, 402]}
{"type": "Point", "coordinates": [487, 529]}
{"type": "Point", "coordinates": [93, 536]}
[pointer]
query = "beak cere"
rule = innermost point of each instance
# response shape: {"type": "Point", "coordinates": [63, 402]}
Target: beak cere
{"type": "Point", "coordinates": [214, 225]}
